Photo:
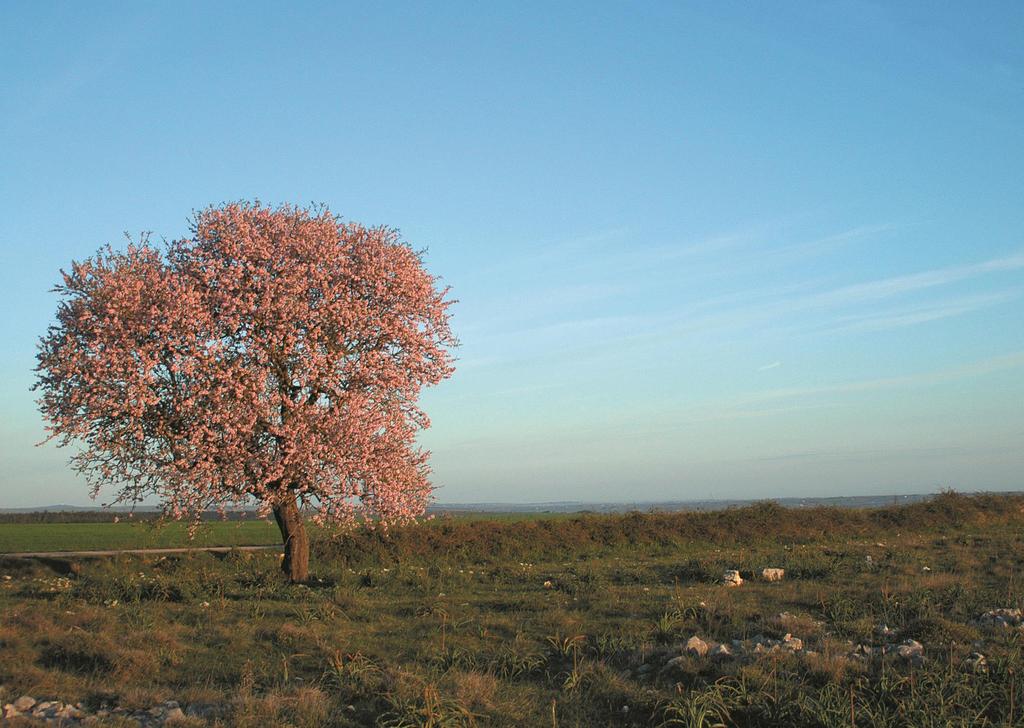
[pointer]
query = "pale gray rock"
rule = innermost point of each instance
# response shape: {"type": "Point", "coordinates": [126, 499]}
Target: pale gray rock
{"type": "Point", "coordinates": [696, 646]}
{"type": "Point", "coordinates": [911, 651]}
{"type": "Point", "coordinates": [24, 703]}
{"type": "Point", "coordinates": [1002, 618]}
{"type": "Point", "coordinates": [791, 643]}
{"type": "Point", "coordinates": [976, 663]}
{"type": "Point", "coordinates": [720, 652]}
{"type": "Point", "coordinates": [68, 712]}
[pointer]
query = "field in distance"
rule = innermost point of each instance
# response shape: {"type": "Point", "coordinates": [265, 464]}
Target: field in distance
{"type": "Point", "coordinates": [70, 528]}
{"type": "Point", "coordinates": [62, 533]}
{"type": "Point", "coordinates": [896, 616]}
{"type": "Point", "coordinates": [34, 537]}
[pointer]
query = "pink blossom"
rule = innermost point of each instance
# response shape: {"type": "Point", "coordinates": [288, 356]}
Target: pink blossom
{"type": "Point", "coordinates": [274, 354]}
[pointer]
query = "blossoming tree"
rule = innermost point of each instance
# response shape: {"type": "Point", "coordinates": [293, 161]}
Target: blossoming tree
{"type": "Point", "coordinates": [275, 356]}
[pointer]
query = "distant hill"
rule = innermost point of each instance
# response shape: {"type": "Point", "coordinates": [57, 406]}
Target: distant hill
{"type": "Point", "coordinates": [860, 501]}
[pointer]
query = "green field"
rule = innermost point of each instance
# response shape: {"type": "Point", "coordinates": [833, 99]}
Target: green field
{"type": "Point", "coordinates": [555, 623]}
{"type": "Point", "coordinates": [19, 537]}
{"type": "Point", "coordinates": [146, 534]}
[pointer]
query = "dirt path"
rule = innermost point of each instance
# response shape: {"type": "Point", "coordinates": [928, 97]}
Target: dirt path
{"type": "Point", "coordinates": [64, 554]}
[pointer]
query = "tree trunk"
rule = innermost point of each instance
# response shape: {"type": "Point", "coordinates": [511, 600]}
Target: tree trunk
{"type": "Point", "coordinates": [296, 543]}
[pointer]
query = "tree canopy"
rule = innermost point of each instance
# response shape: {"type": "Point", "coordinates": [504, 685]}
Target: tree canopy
{"type": "Point", "coordinates": [275, 355]}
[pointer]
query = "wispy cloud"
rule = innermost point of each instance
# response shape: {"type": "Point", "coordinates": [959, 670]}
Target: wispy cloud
{"type": "Point", "coordinates": [525, 331]}
{"type": "Point", "coordinates": [860, 294]}
{"type": "Point", "coordinates": [829, 243]}
{"type": "Point", "coordinates": [921, 313]}
{"type": "Point", "coordinates": [1012, 360]}
{"type": "Point", "coordinates": [540, 255]}
{"type": "Point", "coordinates": [897, 285]}
{"type": "Point", "coordinates": [773, 365]}
{"type": "Point", "coordinates": [743, 249]}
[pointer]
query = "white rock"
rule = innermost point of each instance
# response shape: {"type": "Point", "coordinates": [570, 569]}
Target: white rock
{"type": "Point", "coordinates": [696, 646]}
{"type": "Point", "coordinates": [773, 574]}
{"type": "Point", "coordinates": [911, 650]}
{"type": "Point", "coordinates": [25, 702]}
{"type": "Point", "coordinates": [1002, 617]}
{"type": "Point", "coordinates": [884, 630]}
{"type": "Point", "coordinates": [732, 578]}
{"type": "Point", "coordinates": [975, 662]}
{"type": "Point", "coordinates": [68, 712]}
{"type": "Point", "coordinates": [791, 643]}
{"type": "Point", "coordinates": [720, 652]}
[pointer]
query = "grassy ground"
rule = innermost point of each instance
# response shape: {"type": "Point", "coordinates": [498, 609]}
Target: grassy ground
{"type": "Point", "coordinates": [16, 537]}
{"type": "Point", "coordinates": [563, 622]}
{"type": "Point", "coordinates": [64, 534]}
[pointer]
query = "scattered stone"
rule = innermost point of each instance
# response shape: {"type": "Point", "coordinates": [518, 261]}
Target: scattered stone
{"type": "Point", "coordinates": [55, 712]}
{"type": "Point", "coordinates": [696, 646]}
{"type": "Point", "coordinates": [69, 712]}
{"type": "Point", "coordinates": [1002, 618]}
{"type": "Point", "coordinates": [911, 650]}
{"type": "Point", "coordinates": [791, 643]}
{"type": "Point", "coordinates": [884, 630]}
{"type": "Point", "coordinates": [976, 663]}
{"type": "Point", "coordinates": [720, 652]}
{"type": "Point", "coordinates": [674, 662]}
{"type": "Point", "coordinates": [926, 569]}
{"type": "Point", "coordinates": [773, 574]}
{"type": "Point", "coordinates": [732, 578]}
{"type": "Point", "coordinates": [47, 709]}
{"type": "Point", "coordinates": [862, 652]}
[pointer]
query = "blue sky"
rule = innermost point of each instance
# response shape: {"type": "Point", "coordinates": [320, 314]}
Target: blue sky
{"type": "Point", "coordinates": [700, 249]}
